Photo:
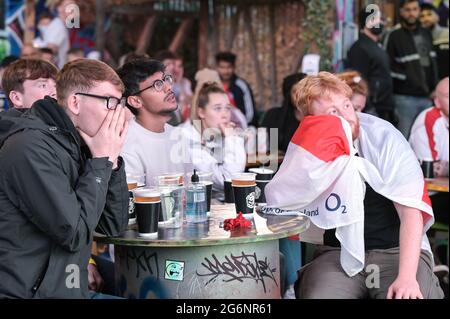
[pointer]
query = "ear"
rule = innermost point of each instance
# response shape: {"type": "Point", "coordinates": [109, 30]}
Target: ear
{"type": "Point", "coordinates": [201, 113]}
{"type": "Point", "coordinates": [16, 99]}
{"type": "Point", "coordinates": [73, 104]}
{"type": "Point", "coordinates": [437, 104]}
{"type": "Point", "coordinates": [134, 101]}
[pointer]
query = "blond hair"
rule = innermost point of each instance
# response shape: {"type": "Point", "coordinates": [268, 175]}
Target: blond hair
{"type": "Point", "coordinates": [314, 87]}
{"type": "Point", "coordinates": [202, 77]}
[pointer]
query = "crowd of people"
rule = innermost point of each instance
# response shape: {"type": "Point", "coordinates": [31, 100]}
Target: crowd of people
{"type": "Point", "coordinates": [73, 128]}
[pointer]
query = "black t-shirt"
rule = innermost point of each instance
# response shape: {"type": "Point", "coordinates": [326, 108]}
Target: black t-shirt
{"type": "Point", "coordinates": [381, 223]}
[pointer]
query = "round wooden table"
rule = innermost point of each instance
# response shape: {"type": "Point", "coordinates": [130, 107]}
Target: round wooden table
{"type": "Point", "coordinates": [203, 260]}
{"type": "Point", "coordinates": [439, 184]}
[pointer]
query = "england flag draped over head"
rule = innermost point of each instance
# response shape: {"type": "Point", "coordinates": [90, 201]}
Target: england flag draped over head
{"type": "Point", "coordinates": [322, 178]}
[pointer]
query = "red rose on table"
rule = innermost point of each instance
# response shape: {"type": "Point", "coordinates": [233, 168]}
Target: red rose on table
{"type": "Point", "coordinates": [238, 222]}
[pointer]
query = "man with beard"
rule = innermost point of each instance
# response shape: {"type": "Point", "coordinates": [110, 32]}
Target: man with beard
{"type": "Point", "coordinates": [413, 65]}
{"type": "Point", "coordinates": [429, 18]}
{"type": "Point", "coordinates": [368, 58]}
{"type": "Point", "coordinates": [152, 146]}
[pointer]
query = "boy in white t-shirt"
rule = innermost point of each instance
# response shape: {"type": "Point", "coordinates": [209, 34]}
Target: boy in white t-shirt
{"type": "Point", "coordinates": [152, 146]}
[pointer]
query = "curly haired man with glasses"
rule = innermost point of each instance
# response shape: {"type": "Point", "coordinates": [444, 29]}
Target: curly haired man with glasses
{"type": "Point", "coordinates": [152, 146]}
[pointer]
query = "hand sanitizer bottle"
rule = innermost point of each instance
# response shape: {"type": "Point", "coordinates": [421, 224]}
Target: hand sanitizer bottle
{"type": "Point", "coordinates": [196, 201]}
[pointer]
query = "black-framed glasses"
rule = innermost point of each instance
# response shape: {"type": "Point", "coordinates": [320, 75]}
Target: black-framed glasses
{"type": "Point", "coordinates": [158, 84]}
{"type": "Point", "coordinates": [111, 101]}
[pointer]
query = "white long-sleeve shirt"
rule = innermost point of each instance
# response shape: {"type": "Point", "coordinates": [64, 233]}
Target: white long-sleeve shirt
{"type": "Point", "coordinates": [221, 157]}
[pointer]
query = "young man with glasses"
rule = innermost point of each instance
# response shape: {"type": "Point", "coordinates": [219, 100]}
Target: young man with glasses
{"type": "Point", "coordinates": [62, 178]}
{"type": "Point", "coordinates": [152, 146]}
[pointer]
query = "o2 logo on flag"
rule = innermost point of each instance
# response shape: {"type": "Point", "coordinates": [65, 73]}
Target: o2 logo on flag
{"type": "Point", "coordinates": [333, 203]}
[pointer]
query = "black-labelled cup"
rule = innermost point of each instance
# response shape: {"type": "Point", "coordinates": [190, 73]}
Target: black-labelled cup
{"type": "Point", "coordinates": [134, 181]}
{"type": "Point", "coordinates": [244, 185]}
{"type": "Point", "coordinates": [263, 177]}
{"type": "Point", "coordinates": [228, 191]}
{"type": "Point", "coordinates": [427, 168]}
{"type": "Point", "coordinates": [147, 203]}
{"type": "Point", "coordinates": [132, 185]}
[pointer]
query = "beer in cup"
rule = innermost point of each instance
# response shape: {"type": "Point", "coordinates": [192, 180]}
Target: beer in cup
{"type": "Point", "coordinates": [228, 191]}
{"type": "Point", "coordinates": [147, 202]}
{"type": "Point", "coordinates": [427, 168]}
{"type": "Point", "coordinates": [132, 184]}
{"type": "Point", "coordinates": [133, 181]}
{"type": "Point", "coordinates": [244, 185]}
{"type": "Point", "coordinates": [263, 177]}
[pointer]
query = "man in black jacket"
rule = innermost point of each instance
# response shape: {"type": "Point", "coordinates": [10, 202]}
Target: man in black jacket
{"type": "Point", "coordinates": [429, 18]}
{"type": "Point", "coordinates": [61, 179]}
{"type": "Point", "coordinates": [413, 65]}
{"type": "Point", "coordinates": [237, 89]}
{"type": "Point", "coordinates": [368, 58]}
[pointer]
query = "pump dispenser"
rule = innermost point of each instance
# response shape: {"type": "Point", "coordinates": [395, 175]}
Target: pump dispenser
{"type": "Point", "coordinates": [196, 201]}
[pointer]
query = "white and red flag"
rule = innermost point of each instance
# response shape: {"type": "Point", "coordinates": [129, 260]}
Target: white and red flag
{"type": "Point", "coordinates": [324, 171]}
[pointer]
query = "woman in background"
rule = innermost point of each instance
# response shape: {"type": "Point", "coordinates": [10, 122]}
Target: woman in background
{"type": "Point", "coordinates": [214, 143]}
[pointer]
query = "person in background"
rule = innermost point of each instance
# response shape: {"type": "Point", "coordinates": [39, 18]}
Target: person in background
{"type": "Point", "coordinates": [214, 144]}
{"type": "Point", "coordinates": [206, 75]}
{"type": "Point", "coordinates": [3, 65]}
{"type": "Point", "coordinates": [74, 54]}
{"type": "Point", "coordinates": [47, 55]}
{"type": "Point", "coordinates": [284, 119]}
{"type": "Point", "coordinates": [28, 51]}
{"type": "Point", "coordinates": [368, 58]}
{"type": "Point", "coordinates": [413, 65]}
{"type": "Point", "coordinates": [359, 87]}
{"type": "Point", "coordinates": [27, 80]}
{"type": "Point", "coordinates": [130, 56]}
{"type": "Point", "coordinates": [430, 141]}
{"type": "Point", "coordinates": [429, 19]}
{"type": "Point", "coordinates": [238, 90]}
{"type": "Point", "coordinates": [429, 134]}
{"type": "Point", "coordinates": [182, 88]}
{"type": "Point", "coordinates": [54, 34]}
